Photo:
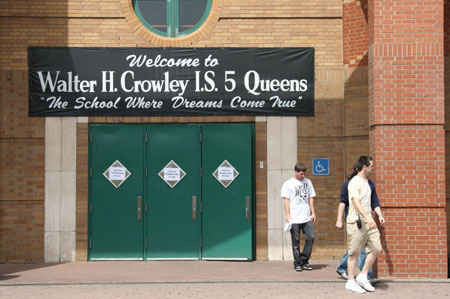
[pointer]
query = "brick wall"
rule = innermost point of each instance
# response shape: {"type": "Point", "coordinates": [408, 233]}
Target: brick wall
{"type": "Point", "coordinates": [356, 32]}
{"type": "Point", "coordinates": [356, 97]}
{"type": "Point", "coordinates": [334, 132]}
{"type": "Point", "coordinates": [22, 173]}
{"type": "Point", "coordinates": [82, 192]}
{"type": "Point", "coordinates": [261, 190]}
{"type": "Point", "coordinates": [321, 137]}
{"type": "Point", "coordinates": [21, 231]}
{"type": "Point", "coordinates": [447, 30]}
{"type": "Point", "coordinates": [406, 105]}
{"type": "Point", "coordinates": [447, 109]}
{"type": "Point", "coordinates": [413, 242]}
{"type": "Point", "coordinates": [281, 9]}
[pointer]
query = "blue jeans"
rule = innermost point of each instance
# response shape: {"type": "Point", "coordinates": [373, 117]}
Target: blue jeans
{"type": "Point", "coordinates": [342, 266]}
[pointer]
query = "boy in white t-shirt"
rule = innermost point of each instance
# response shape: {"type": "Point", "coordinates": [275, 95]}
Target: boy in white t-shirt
{"type": "Point", "coordinates": [298, 194]}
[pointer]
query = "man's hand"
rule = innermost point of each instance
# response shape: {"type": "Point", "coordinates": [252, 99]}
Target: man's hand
{"type": "Point", "coordinates": [340, 215]}
{"type": "Point", "coordinates": [313, 216]}
{"type": "Point", "coordinates": [380, 215]}
{"type": "Point", "coordinates": [372, 224]}
{"type": "Point", "coordinates": [287, 210]}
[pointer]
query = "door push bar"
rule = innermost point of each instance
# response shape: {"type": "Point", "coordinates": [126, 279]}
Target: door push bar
{"type": "Point", "coordinates": [194, 207]}
{"type": "Point", "coordinates": [247, 207]}
{"type": "Point", "coordinates": [139, 208]}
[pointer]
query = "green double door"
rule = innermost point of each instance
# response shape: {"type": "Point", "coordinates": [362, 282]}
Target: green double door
{"type": "Point", "coordinates": [171, 191]}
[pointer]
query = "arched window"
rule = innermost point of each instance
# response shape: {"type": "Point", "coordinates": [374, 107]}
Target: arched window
{"type": "Point", "coordinates": [172, 18]}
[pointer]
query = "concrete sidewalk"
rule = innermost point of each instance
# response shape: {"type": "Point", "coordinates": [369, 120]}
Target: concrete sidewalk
{"type": "Point", "coordinates": [194, 279]}
{"type": "Point", "coordinates": [163, 271]}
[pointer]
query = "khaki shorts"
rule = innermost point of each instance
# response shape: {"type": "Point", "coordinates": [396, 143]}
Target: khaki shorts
{"type": "Point", "coordinates": [364, 237]}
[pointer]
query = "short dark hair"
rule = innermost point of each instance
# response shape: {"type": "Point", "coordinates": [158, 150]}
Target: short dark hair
{"type": "Point", "coordinates": [300, 167]}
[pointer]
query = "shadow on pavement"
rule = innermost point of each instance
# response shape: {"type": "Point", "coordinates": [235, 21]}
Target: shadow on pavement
{"type": "Point", "coordinates": [9, 271]}
{"type": "Point", "coordinates": [319, 266]}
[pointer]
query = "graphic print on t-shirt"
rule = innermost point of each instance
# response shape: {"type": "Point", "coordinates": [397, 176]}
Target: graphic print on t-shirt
{"type": "Point", "coordinates": [298, 192]}
{"type": "Point", "coordinates": [301, 193]}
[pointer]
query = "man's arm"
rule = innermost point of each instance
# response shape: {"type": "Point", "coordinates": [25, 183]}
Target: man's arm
{"type": "Point", "coordinates": [343, 199]}
{"type": "Point", "coordinates": [340, 215]}
{"type": "Point", "coordinates": [361, 211]}
{"type": "Point", "coordinates": [374, 201]}
{"type": "Point", "coordinates": [380, 215]}
{"type": "Point", "coordinates": [313, 212]}
{"type": "Point", "coordinates": [287, 209]}
{"type": "Point", "coordinates": [344, 194]}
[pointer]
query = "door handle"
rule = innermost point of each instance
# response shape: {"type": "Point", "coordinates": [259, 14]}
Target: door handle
{"type": "Point", "coordinates": [194, 207]}
{"type": "Point", "coordinates": [139, 208]}
{"type": "Point", "coordinates": [247, 207]}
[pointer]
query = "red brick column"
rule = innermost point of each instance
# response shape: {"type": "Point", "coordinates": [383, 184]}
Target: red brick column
{"type": "Point", "coordinates": [407, 140]}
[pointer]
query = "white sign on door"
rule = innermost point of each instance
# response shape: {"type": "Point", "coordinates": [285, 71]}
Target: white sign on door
{"type": "Point", "coordinates": [171, 174]}
{"type": "Point", "coordinates": [226, 173]}
{"type": "Point", "coordinates": [117, 173]}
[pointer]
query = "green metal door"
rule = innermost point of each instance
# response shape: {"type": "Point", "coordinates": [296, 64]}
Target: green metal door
{"type": "Point", "coordinates": [147, 192]}
{"type": "Point", "coordinates": [227, 191]}
{"type": "Point", "coordinates": [117, 190]}
{"type": "Point", "coordinates": [173, 188]}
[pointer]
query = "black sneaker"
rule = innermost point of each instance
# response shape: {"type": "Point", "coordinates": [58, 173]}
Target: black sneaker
{"type": "Point", "coordinates": [343, 275]}
{"type": "Point", "coordinates": [307, 267]}
{"type": "Point", "coordinates": [298, 268]}
{"type": "Point", "coordinates": [374, 281]}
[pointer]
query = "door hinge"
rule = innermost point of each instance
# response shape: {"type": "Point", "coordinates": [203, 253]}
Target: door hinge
{"type": "Point", "coordinates": [90, 207]}
{"type": "Point", "coordinates": [91, 137]}
{"type": "Point", "coordinates": [201, 137]}
{"type": "Point", "coordinates": [146, 242]}
{"type": "Point", "coordinates": [201, 207]}
{"type": "Point", "coordinates": [146, 171]}
{"type": "Point", "coordinates": [146, 137]}
{"type": "Point", "coordinates": [146, 208]}
{"type": "Point", "coordinates": [90, 243]}
{"type": "Point", "coordinates": [201, 242]}
{"type": "Point", "coordinates": [201, 171]}
{"type": "Point", "coordinates": [90, 172]}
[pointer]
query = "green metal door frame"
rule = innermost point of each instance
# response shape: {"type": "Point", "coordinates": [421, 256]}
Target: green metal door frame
{"type": "Point", "coordinates": [228, 216]}
{"type": "Point", "coordinates": [145, 198]}
{"type": "Point", "coordinates": [174, 218]}
{"type": "Point", "coordinates": [121, 238]}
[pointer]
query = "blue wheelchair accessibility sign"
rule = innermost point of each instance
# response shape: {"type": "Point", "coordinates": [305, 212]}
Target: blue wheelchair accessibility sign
{"type": "Point", "coordinates": [321, 166]}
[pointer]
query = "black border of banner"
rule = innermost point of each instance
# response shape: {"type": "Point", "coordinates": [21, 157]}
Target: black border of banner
{"type": "Point", "coordinates": [70, 81]}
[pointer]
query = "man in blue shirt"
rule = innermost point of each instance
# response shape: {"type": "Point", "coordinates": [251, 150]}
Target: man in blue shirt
{"type": "Point", "coordinates": [343, 207]}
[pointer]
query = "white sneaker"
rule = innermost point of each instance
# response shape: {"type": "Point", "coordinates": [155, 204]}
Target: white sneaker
{"type": "Point", "coordinates": [364, 282]}
{"type": "Point", "coordinates": [352, 286]}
